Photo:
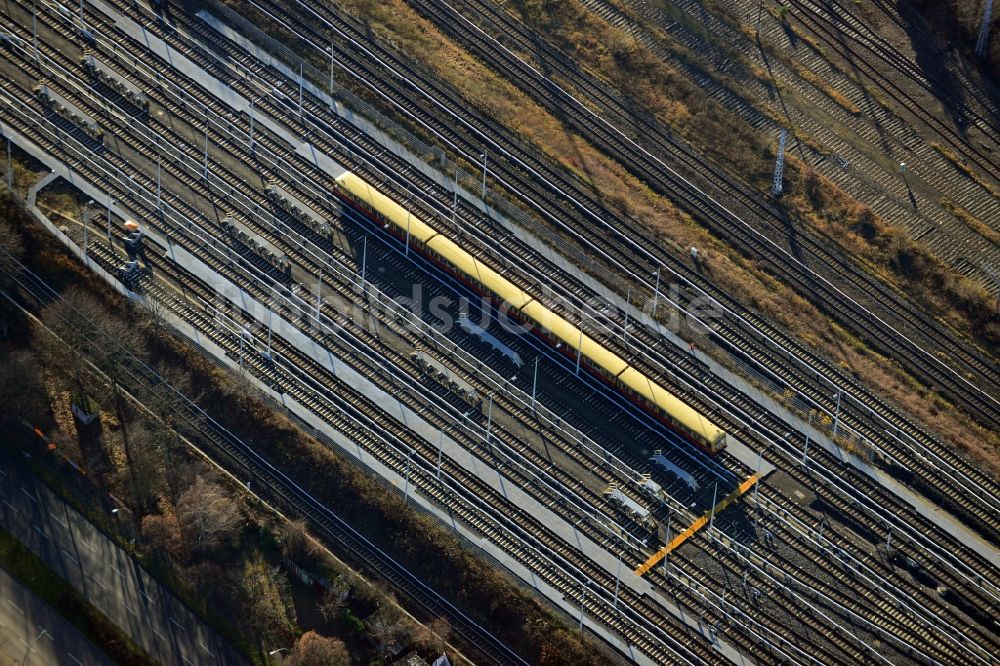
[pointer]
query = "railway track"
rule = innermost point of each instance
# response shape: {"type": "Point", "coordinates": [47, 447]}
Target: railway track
{"type": "Point", "coordinates": [521, 452]}
{"type": "Point", "coordinates": [948, 237]}
{"type": "Point", "coordinates": [290, 370]}
{"type": "Point", "coordinates": [829, 404]}
{"type": "Point", "coordinates": [290, 495]}
{"type": "Point", "coordinates": [241, 353]}
{"type": "Point", "coordinates": [593, 606]}
{"type": "Point", "coordinates": [237, 351]}
{"type": "Point", "coordinates": [909, 612]}
{"type": "Point", "coordinates": [651, 134]}
{"type": "Point", "coordinates": [983, 94]}
{"type": "Point", "coordinates": [293, 244]}
{"type": "Point", "coordinates": [852, 169]}
{"type": "Point", "coordinates": [830, 22]}
{"type": "Point", "coordinates": [951, 240]}
{"type": "Point", "coordinates": [544, 91]}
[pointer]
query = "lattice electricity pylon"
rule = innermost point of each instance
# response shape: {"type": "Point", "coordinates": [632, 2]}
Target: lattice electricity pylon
{"type": "Point", "coordinates": [984, 31]}
{"type": "Point", "coordinates": [779, 165]}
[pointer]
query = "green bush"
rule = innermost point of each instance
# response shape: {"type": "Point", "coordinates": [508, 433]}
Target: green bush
{"type": "Point", "coordinates": [352, 622]}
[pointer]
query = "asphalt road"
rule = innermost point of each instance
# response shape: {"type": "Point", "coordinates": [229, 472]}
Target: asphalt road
{"type": "Point", "coordinates": [31, 632]}
{"type": "Point", "coordinates": [105, 574]}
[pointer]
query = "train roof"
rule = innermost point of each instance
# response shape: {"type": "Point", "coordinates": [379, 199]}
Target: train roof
{"type": "Point", "coordinates": [690, 418]}
{"type": "Point", "coordinates": [557, 325]}
{"type": "Point", "coordinates": [419, 230]}
{"type": "Point", "coordinates": [570, 335]}
{"type": "Point", "coordinates": [485, 275]}
{"type": "Point", "coordinates": [444, 246]}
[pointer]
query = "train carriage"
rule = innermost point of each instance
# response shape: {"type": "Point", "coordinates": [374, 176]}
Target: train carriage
{"type": "Point", "coordinates": [558, 331]}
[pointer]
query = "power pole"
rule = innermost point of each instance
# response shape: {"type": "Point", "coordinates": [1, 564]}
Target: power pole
{"type": "Point", "coordinates": [206, 143]}
{"type": "Point", "coordinates": [364, 261]}
{"type": "Point", "coordinates": [407, 228]}
{"type": "Point", "coordinates": [31, 645]}
{"type": "Point", "coordinates": [836, 416]}
{"type": "Point", "coordinates": [86, 225]}
{"type": "Point", "coordinates": [406, 491]}
{"type": "Point", "coordinates": [656, 292]}
{"type": "Point", "coordinates": [110, 245]}
{"type": "Point", "coordinates": [454, 200]}
{"type": "Point", "coordinates": [779, 165]}
{"type": "Point", "coordinates": [10, 169]}
{"type": "Point", "coordinates": [159, 207]}
{"type": "Point", "coordinates": [484, 177]}
{"type": "Point", "coordinates": [711, 519]}
{"type": "Point", "coordinates": [994, 274]}
{"type": "Point", "coordinates": [618, 578]}
{"type": "Point", "coordinates": [251, 123]}
{"type": "Point", "coordinates": [440, 452]}
{"type": "Point", "coordinates": [489, 422]}
{"type": "Point", "coordinates": [628, 304]}
{"type": "Point", "coordinates": [534, 385]}
{"type": "Point", "coordinates": [756, 485]}
{"type": "Point", "coordinates": [984, 31]}
{"type": "Point", "coordinates": [269, 314]}
{"type": "Point", "coordinates": [579, 347]}
{"type": "Point", "coordinates": [319, 292]}
{"type": "Point", "coordinates": [805, 449]}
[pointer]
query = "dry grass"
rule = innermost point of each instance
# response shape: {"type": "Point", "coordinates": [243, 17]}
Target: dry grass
{"type": "Point", "coordinates": [658, 87]}
{"type": "Point", "coordinates": [971, 221]}
{"type": "Point", "coordinates": [958, 21]}
{"type": "Point", "coordinates": [817, 82]}
{"type": "Point", "coordinates": [964, 305]}
{"type": "Point", "coordinates": [601, 48]}
{"type": "Point", "coordinates": [426, 547]}
{"type": "Point", "coordinates": [967, 171]}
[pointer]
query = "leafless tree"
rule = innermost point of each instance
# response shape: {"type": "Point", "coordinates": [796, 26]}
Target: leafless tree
{"type": "Point", "coordinates": [11, 252]}
{"type": "Point", "coordinates": [167, 395]}
{"type": "Point", "coordinates": [433, 636]}
{"type": "Point", "coordinates": [385, 626]}
{"type": "Point", "coordinates": [92, 333]}
{"type": "Point", "coordinates": [151, 316]}
{"type": "Point", "coordinates": [162, 534]}
{"type": "Point", "coordinates": [208, 518]}
{"type": "Point", "coordinates": [22, 394]}
{"type": "Point", "coordinates": [88, 333]}
{"type": "Point", "coordinates": [312, 649]}
{"type": "Point", "coordinates": [334, 599]}
{"type": "Point", "coordinates": [73, 320]}
{"type": "Point", "coordinates": [297, 545]}
{"type": "Point", "coordinates": [145, 470]}
{"type": "Point", "coordinates": [265, 597]}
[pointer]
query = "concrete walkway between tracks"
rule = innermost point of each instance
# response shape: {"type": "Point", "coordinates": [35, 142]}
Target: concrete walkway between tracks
{"type": "Point", "coordinates": [742, 452]}
{"type": "Point", "coordinates": [566, 531]}
{"type": "Point", "coordinates": [745, 454]}
{"type": "Point", "coordinates": [339, 368]}
{"type": "Point", "coordinates": [32, 633]}
{"type": "Point", "coordinates": [105, 574]}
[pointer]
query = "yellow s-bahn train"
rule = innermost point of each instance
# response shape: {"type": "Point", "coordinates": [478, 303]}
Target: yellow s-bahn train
{"type": "Point", "coordinates": [609, 367]}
